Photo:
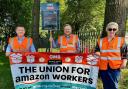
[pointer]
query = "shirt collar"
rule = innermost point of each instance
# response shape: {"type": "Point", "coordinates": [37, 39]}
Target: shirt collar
{"type": "Point", "coordinates": [67, 36]}
{"type": "Point", "coordinates": [20, 38]}
{"type": "Point", "coordinates": [111, 39]}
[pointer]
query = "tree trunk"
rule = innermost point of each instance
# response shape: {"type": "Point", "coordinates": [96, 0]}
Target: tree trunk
{"type": "Point", "coordinates": [115, 11]}
{"type": "Point", "coordinates": [36, 17]}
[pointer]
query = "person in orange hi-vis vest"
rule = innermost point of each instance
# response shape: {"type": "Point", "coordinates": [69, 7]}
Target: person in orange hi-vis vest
{"type": "Point", "coordinates": [113, 56]}
{"type": "Point", "coordinates": [68, 43]}
{"type": "Point", "coordinates": [20, 43]}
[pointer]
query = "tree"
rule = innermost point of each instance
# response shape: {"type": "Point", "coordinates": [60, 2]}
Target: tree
{"type": "Point", "coordinates": [115, 11]}
{"type": "Point", "coordinates": [84, 14]}
{"type": "Point", "coordinates": [13, 12]}
{"type": "Point", "coordinates": [36, 17]}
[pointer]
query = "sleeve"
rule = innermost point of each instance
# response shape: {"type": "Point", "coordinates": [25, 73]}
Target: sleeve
{"type": "Point", "coordinates": [8, 49]}
{"type": "Point", "coordinates": [32, 48]}
{"type": "Point", "coordinates": [97, 48]}
{"type": "Point", "coordinates": [55, 44]}
{"type": "Point", "coordinates": [78, 45]}
{"type": "Point", "coordinates": [124, 51]}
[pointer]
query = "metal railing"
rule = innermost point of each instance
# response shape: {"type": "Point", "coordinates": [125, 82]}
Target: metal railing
{"type": "Point", "coordinates": [88, 39]}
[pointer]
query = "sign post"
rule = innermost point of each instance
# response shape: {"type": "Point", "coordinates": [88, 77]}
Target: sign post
{"type": "Point", "coordinates": [50, 18]}
{"type": "Point", "coordinates": [51, 42]}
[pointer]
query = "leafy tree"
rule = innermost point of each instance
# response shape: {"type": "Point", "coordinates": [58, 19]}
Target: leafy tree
{"type": "Point", "coordinates": [115, 11]}
{"type": "Point", "coordinates": [84, 14]}
{"type": "Point", "coordinates": [13, 12]}
{"type": "Point", "coordinates": [36, 18]}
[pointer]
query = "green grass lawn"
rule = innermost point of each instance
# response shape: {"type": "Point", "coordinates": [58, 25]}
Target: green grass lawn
{"type": "Point", "coordinates": [5, 73]}
{"type": "Point", "coordinates": [7, 83]}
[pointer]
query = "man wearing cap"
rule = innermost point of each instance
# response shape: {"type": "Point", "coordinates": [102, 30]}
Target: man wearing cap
{"type": "Point", "coordinates": [20, 43]}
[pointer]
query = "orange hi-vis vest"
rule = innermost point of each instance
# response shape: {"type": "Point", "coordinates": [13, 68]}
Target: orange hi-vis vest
{"type": "Point", "coordinates": [68, 46]}
{"type": "Point", "coordinates": [24, 46]}
{"type": "Point", "coordinates": [110, 52]}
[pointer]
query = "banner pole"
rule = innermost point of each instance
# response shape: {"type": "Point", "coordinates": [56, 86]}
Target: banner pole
{"type": "Point", "coordinates": [51, 42]}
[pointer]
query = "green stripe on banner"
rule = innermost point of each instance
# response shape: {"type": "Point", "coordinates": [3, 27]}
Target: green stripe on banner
{"type": "Point", "coordinates": [53, 85]}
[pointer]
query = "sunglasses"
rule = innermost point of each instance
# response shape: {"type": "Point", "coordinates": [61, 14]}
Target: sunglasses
{"type": "Point", "coordinates": [110, 29]}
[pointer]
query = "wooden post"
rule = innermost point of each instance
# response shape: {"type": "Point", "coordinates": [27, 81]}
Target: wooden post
{"type": "Point", "coordinates": [50, 42]}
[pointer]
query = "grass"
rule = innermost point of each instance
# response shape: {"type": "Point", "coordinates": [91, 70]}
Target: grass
{"type": "Point", "coordinates": [5, 73]}
{"type": "Point", "coordinates": [7, 83]}
{"type": "Point", "coordinates": [124, 79]}
{"type": "Point", "coordinates": [44, 50]}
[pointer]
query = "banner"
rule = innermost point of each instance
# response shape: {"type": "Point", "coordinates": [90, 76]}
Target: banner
{"type": "Point", "coordinates": [52, 71]}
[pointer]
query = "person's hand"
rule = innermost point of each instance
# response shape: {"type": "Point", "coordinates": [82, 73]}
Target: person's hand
{"type": "Point", "coordinates": [51, 39]}
{"type": "Point", "coordinates": [124, 63]}
{"type": "Point", "coordinates": [7, 54]}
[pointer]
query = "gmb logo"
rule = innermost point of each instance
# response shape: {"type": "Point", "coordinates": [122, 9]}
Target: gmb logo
{"type": "Point", "coordinates": [78, 59]}
{"type": "Point", "coordinates": [30, 58]}
{"type": "Point", "coordinates": [16, 58]}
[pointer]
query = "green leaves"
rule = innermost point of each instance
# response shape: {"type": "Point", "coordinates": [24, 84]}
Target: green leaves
{"type": "Point", "coordinates": [13, 12]}
{"type": "Point", "coordinates": [86, 14]}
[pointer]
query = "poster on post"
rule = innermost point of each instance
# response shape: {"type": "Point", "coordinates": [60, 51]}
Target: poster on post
{"type": "Point", "coordinates": [50, 16]}
{"type": "Point", "coordinates": [52, 71]}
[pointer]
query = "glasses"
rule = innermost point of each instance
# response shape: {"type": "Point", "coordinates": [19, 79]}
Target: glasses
{"type": "Point", "coordinates": [110, 29]}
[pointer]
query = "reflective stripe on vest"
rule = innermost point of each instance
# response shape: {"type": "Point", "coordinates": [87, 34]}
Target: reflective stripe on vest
{"type": "Point", "coordinates": [61, 44]}
{"type": "Point", "coordinates": [74, 39]}
{"type": "Point", "coordinates": [103, 51]}
{"type": "Point", "coordinates": [119, 42]}
{"type": "Point", "coordinates": [110, 58]}
{"type": "Point", "coordinates": [28, 46]}
{"type": "Point", "coordinates": [25, 50]}
{"type": "Point", "coordinates": [101, 41]}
